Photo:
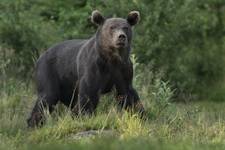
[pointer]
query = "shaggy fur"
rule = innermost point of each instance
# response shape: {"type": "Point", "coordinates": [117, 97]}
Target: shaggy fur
{"type": "Point", "coordinates": [77, 72]}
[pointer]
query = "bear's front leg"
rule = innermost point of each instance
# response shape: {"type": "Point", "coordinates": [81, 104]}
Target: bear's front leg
{"type": "Point", "coordinates": [130, 100]}
{"type": "Point", "coordinates": [88, 98]}
{"type": "Point", "coordinates": [136, 104]}
{"type": "Point", "coordinates": [127, 97]}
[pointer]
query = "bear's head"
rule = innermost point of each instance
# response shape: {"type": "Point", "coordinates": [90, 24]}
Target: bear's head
{"type": "Point", "coordinates": [114, 34]}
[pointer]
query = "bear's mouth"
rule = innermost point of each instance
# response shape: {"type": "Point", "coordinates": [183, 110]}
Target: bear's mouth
{"type": "Point", "coordinates": [120, 44]}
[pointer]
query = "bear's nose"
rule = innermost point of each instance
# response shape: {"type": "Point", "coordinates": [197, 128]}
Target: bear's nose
{"type": "Point", "coordinates": [122, 37]}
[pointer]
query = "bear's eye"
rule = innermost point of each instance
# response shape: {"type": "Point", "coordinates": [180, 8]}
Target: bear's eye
{"type": "Point", "coordinates": [125, 28]}
{"type": "Point", "coordinates": [112, 27]}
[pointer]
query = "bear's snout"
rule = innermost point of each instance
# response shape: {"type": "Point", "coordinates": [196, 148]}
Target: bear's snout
{"type": "Point", "coordinates": [121, 39]}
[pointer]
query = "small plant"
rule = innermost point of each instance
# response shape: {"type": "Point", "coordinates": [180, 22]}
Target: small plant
{"type": "Point", "coordinates": [155, 93]}
{"type": "Point", "coordinates": [161, 96]}
{"type": "Point", "coordinates": [131, 126]}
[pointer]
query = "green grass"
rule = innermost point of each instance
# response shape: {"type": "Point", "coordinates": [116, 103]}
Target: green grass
{"type": "Point", "coordinates": [191, 125]}
{"type": "Point", "coordinates": [168, 125]}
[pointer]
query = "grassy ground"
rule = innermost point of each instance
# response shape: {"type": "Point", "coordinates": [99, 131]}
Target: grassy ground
{"type": "Point", "coordinates": [168, 126]}
{"type": "Point", "coordinates": [191, 125]}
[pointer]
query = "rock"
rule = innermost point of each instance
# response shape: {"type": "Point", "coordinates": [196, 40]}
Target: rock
{"type": "Point", "coordinates": [93, 133]}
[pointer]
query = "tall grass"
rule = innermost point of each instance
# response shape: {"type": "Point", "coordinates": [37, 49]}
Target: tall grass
{"type": "Point", "coordinates": [167, 125]}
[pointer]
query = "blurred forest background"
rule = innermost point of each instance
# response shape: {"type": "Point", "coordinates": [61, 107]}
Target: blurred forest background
{"type": "Point", "coordinates": [182, 41]}
{"type": "Point", "coordinates": [178, 52]}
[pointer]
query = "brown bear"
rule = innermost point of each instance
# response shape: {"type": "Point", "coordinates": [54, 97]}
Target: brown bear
{"type": "Point", "coordinates": [76, 72]}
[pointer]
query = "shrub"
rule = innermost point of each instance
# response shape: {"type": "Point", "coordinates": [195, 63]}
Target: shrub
{"type": "Point", "coordinates": [182, 38]}
{"type": "Point", "coordinates": [23, 34]}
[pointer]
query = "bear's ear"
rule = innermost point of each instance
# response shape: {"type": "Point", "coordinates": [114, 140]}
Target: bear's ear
{"type": "Point", "coordinates": [133, 17]}
{"type": "Point", "coordinates": [97, 18]}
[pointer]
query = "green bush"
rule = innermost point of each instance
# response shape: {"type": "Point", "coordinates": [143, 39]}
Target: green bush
{"type": "Point", "coordinates": [23, 34]}
{"type": "Point", "coordinates": [184, 39]}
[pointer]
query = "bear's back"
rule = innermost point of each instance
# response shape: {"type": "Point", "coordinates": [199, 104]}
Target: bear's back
{"type": "Point", "coordinates": [60, 59]}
